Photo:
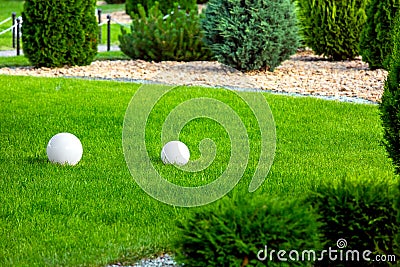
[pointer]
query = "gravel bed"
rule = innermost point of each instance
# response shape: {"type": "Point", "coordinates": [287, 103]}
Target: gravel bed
{"type": "Point", "coordinates": [303, 74]}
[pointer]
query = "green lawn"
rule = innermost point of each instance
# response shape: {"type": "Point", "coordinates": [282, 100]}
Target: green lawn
{"type": "Point", "coordinates": [94, 213]}
{"type": "Point", "coordinates": [115, 31]}
{"type": "Point", "coordinates": [111, 8]}
{"type": "Point", "coordinates": [6, 8]}
{"type": "Point", "coordinates": [22, 61]}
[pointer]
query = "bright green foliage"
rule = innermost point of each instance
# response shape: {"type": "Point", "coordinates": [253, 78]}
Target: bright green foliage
{"type": "Point", "coordinates": [58, 33]}
{"type": "Point", "coordinates": [153, 38]}
{"type": "Point", "coordinates": [233, 233]}
{"type": "Point", "coordinates": [332, 28]}
{"type": "Point", "coordinates": [251, 34]}
{"type": "Point", "coordinates": [390, 103]}
{"type": "Point", "coordinates": [375, 42]}
{"type": "Point", "coordinates": [358, 211]}
{"type": "Point", "coordinates": [165, 6]}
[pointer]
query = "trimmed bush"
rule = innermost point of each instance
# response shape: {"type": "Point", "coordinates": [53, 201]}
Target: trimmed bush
{"type": "Point", "coordinates": [390, 102]}
{"type": "Point", "coordinates": [154, 38]}
{"type": "Point", "coordinates": [375, 41]}
{"type": "Point", "coordinates": [236, 232]}
{"type": "Point", "coordinates": [251, 34]}
{"type": "Point", "coordinates": [361, 213]}
{"type": "Point", "coordinates": [165, 6]}
{"type": "Point", "coordinates": [332, 28]}
{"type": "Point", "coordinates": [58, 33]}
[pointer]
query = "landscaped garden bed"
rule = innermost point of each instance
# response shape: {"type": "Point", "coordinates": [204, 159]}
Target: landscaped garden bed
{"type": "Point", "coordinates": [304, 73]}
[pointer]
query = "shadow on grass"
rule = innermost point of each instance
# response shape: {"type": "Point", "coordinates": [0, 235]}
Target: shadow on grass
{"type": "Point", "coordinates": [37, 160]}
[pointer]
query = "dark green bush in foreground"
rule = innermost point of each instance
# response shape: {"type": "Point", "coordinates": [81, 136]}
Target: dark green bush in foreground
{"type": "Point", "coordinates": [233, 233]}
{"type": "Point", "coordinates": [153, 38]}
{"type": "Point", "coordinates": [58, 33]}
{"type": "Point", "coordinates": [375, 42]}
{"type": "Point", "coordinates": [165, 6]}
{"type": "Point", "coordinates": [362, 213]}
{"type": "Point", "coordinates": [390, 102]}
{"type": "Point", "coordinates": [251, 34]}
{"type": "Point", "coordinates": [332, 28]}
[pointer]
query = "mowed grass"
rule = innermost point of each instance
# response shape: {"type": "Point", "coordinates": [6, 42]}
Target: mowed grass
{"type": "Point", "coordinates": [95, 213]}
{"type": "Point", "coordinates": [115, 31]}
{"type": "Point", "coordinates": [22, 61]}
{"type": "Point", "coordinates": [7, 7]}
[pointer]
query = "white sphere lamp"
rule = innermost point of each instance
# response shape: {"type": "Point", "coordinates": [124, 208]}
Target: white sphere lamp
{"type": "Point", "coordinates": [64, 148]}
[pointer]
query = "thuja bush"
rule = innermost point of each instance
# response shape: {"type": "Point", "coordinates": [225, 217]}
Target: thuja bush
{"type": "Point", "coordinates": [155, 38]}
{"type": "Point", "coordinates": [58, 33]}
{"type": "Point", "coordinates": [375, 42]}
{"type": "Point", "coordinates": [251, 34]}
{"type": "Point", "coordinates": [165, 6]}
{"type": "Point", "coordinates": [332, 28]}
{"type": "Point", "coordinates": [243, 232]}
{"type": "Point", "coordinates": [356, 215]}
{"type": "Point", "coordinates": [390, 102]}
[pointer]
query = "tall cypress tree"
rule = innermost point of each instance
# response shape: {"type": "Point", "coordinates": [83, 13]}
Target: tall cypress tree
{"type": "Point", "coordinates": [375, 41]}
{"type": "Point", "coordinates": [390, 104]}
{"type": "Point", "coordinates": [58, 33]}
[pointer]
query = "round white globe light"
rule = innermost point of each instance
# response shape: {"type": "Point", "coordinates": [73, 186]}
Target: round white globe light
{"type": "Point", "coordinates": [175, 152]}
{"type": "Point", "coordinates": [64, 148]}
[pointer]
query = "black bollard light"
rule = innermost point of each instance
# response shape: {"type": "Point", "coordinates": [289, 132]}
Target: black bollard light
{"type": "Point", "coordinates": [13, 16]}
{"type": "Point", "coordinates": [100, 27]}
{"type": "Point", "coordinates": [18, 44]}
{"type": "Point", "coordinates": [108, 32]}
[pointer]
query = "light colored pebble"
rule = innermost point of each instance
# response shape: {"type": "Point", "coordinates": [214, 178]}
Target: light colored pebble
{"type": "Point", "coordinates": [303, 73]}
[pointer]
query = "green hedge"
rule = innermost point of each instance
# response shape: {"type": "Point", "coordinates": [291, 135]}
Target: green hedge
{"type": "Point", "coordinates": [236, 233]}
{"type": "Point", "coordinates": [375, 42]}
{"type": "Point", "coordinates": [390, 102]}
{"type": "Point", "coordinates": [332, 28]}
{"type": "Point", "coordinates": [360, 212]}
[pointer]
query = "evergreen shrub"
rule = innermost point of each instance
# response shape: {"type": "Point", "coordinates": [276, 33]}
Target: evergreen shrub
{"type": "Point", "coordinates": [356, 215]}
{"type": "Point", "coordinates": [375, 42]}
{"type": "Point", "coordinates": [332, 28]}
{"type": "Point", "coordinates": [236, 233]}
{"type": "Point", "coordinates": [165, 6]}
{"type": "Point", "coordinates": [390, 102]}
{"type": "Point", "coordinates": [251, 34]}
{"type": "Point", "coordinates": [153, 38]}
{"type": "Point", "coordinates": [58, 33]}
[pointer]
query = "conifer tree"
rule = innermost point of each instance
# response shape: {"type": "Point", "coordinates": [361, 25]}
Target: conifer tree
{"type": "Point", "coordinates": [375, 40]}
{"type": "Point", "coordinates": [58, 33]}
